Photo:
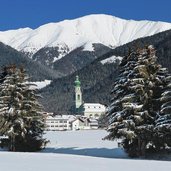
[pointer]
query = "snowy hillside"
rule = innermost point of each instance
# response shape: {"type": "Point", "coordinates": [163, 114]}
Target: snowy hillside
{"type": "Point", "coordinates": [79, 150]}
{"type": "Point", "coordinates": [111, 59]}
{"type": "Point", "coordinates": [40, 84]}
{"type": "Point", "coordinates": [105, 29]}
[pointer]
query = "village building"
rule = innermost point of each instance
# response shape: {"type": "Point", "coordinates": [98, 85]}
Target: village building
{"type": "Point", "coordinates": [59, 122]}
{"type": "Point", "coordinates": [89, 110]}
{"type": "Point", "coordinates": [93, 110]}
{"type": "Point", "coordinates": [80, 123]}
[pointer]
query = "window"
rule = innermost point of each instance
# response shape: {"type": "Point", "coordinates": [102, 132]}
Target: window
{"type": "Point", "coordinates": [96, 115]}
{"type": "Point", "coordinates": [78, 97]}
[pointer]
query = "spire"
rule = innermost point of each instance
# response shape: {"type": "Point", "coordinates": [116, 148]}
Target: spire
{"type": "Point", "coordinates": [78, 94]}
{"type": "Point", "coordinates": [77, 82]}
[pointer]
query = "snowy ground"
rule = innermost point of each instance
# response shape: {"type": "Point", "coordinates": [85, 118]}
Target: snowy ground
{"type": "Point", "coordinates": [78, 150]}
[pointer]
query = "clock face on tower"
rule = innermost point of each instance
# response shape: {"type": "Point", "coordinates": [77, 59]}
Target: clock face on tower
{"type": "Point", "coordinates": [78, 89]}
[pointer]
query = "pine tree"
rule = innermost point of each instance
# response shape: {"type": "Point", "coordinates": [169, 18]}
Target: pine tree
{"type": "Point", "coordinates": [163, 120]}
{"type": "Point", "coordinates": [133, 108]}
{"type": "Point", "coordinates": [20, 113]}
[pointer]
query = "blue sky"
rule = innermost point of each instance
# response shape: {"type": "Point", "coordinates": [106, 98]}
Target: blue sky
{"type": "Point", "coordinates": [33, 13]}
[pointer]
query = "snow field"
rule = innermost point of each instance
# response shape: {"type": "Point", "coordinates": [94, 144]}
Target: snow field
{"type": "Point", "coordinates": [78, 150]}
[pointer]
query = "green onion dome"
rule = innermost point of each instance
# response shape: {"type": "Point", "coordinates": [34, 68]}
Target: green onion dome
{"type": "Point", "coordinates": [77, 82]}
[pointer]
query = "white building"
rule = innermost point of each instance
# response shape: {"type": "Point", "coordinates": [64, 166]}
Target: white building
{"type": "Point", "coordinates": [59, 122]}
{"type": "Point", "coordinates": [93, 110]}
{"type": "Point", "coordinates": [77, 124]}
{"type": "Point", "coordinates": [80, 123]}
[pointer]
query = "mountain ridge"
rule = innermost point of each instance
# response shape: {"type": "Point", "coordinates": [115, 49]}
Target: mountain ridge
{"type": "Point", "coordinates": [83, 31]}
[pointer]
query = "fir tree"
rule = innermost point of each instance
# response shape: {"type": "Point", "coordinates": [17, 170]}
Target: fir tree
{"type": "Point", "coordinates": [133, 109]}
{"type": "Point", "coordinates": [163, 120]}
{"type": "Point", "coordinates": [20, 113]}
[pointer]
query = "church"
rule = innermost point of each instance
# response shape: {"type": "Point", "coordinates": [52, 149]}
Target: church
{"type": "Point", "coordinates": [89, 110]}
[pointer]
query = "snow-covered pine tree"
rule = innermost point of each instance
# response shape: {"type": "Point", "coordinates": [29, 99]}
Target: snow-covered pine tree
{"type": "Point", "coordinates": [20, 113]}
{"type": "Point", "coordinates": [163, 120]}
{"type": "Point", "coordinates": [10, 100]}
{"type": "Point", "coordinates": [125, 102]}
{"type": "Point", "coordinates": [131, 113]}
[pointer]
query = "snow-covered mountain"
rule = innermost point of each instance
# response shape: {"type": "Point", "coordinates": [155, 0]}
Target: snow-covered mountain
{"type": "Point", "coordinates": [71, 34]}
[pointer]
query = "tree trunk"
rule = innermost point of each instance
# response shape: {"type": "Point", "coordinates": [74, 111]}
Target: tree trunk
{"type": "Point", "coordinates": [12, 143]}
{"type": "Point", "coordinates": [143, 145]}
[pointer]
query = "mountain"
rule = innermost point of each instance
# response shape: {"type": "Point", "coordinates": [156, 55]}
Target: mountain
{"type": "Point", "coordinates": [98, 77]}
{"type": "Point", "coordinates": [89, 46]}
{"type": "Point", "coordinates": [72, 61]}
{"type": "Point", "coordinates": [67, 46]}
{"type": "Point", "coordinates": [35, 70]}
{"type": "Point", "coordinates": [68, 35]}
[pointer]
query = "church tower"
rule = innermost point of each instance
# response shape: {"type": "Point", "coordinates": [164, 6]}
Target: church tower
{"type": "Point", "coordinates": [78, 94]}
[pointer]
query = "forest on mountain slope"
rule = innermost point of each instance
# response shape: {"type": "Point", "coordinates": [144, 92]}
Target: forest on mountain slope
{"type": "Point", "coordinates": [97, 79]}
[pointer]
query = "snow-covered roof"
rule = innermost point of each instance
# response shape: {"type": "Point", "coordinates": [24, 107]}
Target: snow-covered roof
{"type": "Point", "coordinates": [61, 117]}
{"type": "Point", "coordinates": [77, 119]}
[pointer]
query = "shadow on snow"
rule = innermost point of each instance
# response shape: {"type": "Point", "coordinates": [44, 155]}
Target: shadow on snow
{"type": "Point", "coordinates": [93, 152]}
{"type": "Point", "coordinates": [116, 153]}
